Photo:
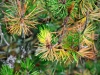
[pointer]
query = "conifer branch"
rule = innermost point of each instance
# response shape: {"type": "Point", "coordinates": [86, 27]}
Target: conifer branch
{"type": "Point", "coordinates": [63, 26]}
{"type": "Point", "coordinates": [63, 30]}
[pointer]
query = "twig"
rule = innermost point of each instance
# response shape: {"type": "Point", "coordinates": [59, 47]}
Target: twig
{"type": "Point", "coordinates": [63, 32]}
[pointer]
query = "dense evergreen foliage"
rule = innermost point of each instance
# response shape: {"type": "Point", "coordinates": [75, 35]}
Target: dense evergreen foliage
{"type": "Point", "coordinates": [49, 37]}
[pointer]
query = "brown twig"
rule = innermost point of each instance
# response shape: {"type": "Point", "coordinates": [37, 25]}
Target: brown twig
{"type": "Point", "coordinates": [63, 32]}
{"type": "Point", "coordinates": [63, 26]}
